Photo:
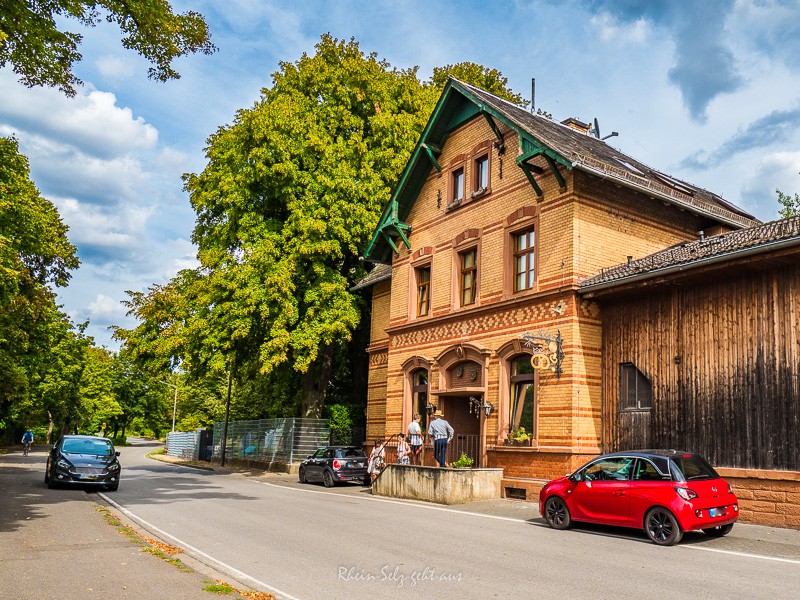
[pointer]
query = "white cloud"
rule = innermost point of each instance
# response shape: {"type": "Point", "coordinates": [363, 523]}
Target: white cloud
{"type": "Point", "coordinates": [91, 120]}
{"type": "Point", "coordinates": [115, 68]}
{"type": "Point", "coordinates": [608, 29]}
{"type": "Point", "coordinates": [106, 309]}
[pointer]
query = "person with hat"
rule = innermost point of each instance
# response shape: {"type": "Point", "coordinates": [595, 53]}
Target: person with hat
{"type": "Point", "coordinates": [441, 433]}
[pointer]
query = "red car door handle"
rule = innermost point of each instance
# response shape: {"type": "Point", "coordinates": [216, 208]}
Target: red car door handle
{"type": "Point", "coordinates": [619, 493]}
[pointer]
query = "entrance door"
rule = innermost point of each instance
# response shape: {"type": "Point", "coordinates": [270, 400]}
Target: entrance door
{"type": "Point", "coordinates": [467, 428]}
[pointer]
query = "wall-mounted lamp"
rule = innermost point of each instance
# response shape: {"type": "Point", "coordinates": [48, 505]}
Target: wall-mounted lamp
{"type": "Point", "coordinates": [478, 404]}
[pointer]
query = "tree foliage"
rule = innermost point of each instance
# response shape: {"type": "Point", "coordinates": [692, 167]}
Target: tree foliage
{"type": "Point", "coordinates": [41, 52]}
{"type": "Point", "coordinates": [290, 196]}
{"type": "Point", "coordinates": [490, 80]}
{"type": "Point", "coordinates": [790, 205]}
{"type": "Point", "coordinates": [35, 254]}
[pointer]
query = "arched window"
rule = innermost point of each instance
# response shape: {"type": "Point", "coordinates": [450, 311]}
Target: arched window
{"type": "Point", "coordinates": [522, 397]}
{"type": "Point", "coordinates": [419, 395]}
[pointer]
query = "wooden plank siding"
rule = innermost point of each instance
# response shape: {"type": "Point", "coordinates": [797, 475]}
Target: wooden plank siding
{"type": "Point", "coordinates": [722, 357]}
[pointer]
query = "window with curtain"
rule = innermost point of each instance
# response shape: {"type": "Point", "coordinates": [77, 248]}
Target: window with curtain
{"type": "Point", "coordinates": [469, 276]}
{"type": "Point", "coordinates": [523, 396]}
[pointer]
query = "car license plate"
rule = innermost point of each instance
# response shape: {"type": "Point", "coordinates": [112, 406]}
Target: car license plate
{"type": "Point", "coordinates": [717, 512]}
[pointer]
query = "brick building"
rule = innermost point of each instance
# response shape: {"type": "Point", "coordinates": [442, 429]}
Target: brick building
{"type": "Point", "coordinates": [477, 307]}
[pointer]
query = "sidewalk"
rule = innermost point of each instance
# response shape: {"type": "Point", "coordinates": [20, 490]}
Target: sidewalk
{"type": "Point", "coordinates": [63, 543]}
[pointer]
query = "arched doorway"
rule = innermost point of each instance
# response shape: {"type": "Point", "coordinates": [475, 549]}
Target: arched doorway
{"type": "Point", "coordinates": [462, 388]}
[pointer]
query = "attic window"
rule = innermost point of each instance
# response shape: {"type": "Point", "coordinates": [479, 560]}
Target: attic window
{"type": "Point", "coordinates": [629, 166]}
{"type": "Point", "coordinates": [673, 183]}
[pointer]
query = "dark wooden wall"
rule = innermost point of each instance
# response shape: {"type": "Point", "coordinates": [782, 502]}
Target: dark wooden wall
{"type": "Point", "coordinates": [735, 394]}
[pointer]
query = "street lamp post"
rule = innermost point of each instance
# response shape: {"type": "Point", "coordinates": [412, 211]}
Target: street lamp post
{"type": "Point", "coordinates": [175, 403]}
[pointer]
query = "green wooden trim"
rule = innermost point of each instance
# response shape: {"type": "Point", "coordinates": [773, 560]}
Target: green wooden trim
{"type": "Point", "coordinates": [493, 125]}
{"type": "Point", "coordinates": [429, 152]}
{"type": "Point", "coordinates": [526, 168]}
{"type": "Point", "coordinates": [555, 170]}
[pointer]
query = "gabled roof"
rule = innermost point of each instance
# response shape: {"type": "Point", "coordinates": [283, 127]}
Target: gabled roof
{"type": "Point", "coordinates": [539, 136]}
{"type": "Point", "coordinates": [762, 238]}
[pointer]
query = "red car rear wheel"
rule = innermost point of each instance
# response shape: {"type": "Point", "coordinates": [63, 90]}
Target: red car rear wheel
{"type": "Point", "coordinates": [662, 527]}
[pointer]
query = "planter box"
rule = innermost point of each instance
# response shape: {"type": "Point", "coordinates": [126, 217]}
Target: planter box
{"type": "Point", "coordinates": [434, 484]}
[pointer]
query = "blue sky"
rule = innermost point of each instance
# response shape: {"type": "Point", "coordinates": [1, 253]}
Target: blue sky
{"type": "Point", "coordinates": [706, 90]}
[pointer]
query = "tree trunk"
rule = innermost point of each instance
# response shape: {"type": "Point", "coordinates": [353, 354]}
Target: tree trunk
{"type": "Point", "coordinates": [50, 427]}
{"type": "Point", "coordinates": [315, 383]}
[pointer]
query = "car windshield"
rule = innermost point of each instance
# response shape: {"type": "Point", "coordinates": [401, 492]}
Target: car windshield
{"type": "Point", "coordinates": [691, 467]}
{"type": "Point", "coordinates": [349, 453]}
{"type": "Point", "coordinates": [88, 446]}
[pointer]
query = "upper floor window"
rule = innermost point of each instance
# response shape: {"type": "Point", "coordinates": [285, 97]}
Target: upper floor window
{"type": "Point", "coordinates": [524, 264]}
{"type": "Point", "coordinates": [469, 276]}
{"type": "Point", "coordinates": [635, 390]}
{"type": "Point", "coordinates": [482, 173]}
{"type": "Point", "coordinates": [423, 291]}
{"type": "Point", "coordinates": [458, 185]}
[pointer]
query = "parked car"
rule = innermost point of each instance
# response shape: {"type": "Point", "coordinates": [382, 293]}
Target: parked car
{"type": "Point", "coordinates": [333, 464]}
{"type": "Point", "coordinates": [666, 492]}
{"type": "Point", "coordinates": [84, 460]}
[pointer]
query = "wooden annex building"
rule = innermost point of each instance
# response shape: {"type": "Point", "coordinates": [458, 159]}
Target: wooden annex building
{"type": "Point", "coordinates": [556, 299]}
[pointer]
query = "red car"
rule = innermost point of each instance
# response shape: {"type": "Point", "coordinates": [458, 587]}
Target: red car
{"type": "Point", "coordinates": [666, 492]}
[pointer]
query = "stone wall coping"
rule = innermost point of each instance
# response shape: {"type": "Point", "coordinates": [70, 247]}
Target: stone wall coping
{"type": "Point", "coordinates": [759, 474]}
{"type": "Point", "coordinates": [589, 451]}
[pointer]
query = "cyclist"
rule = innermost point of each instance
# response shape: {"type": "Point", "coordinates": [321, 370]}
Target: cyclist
{"type": "Point", "coordinates": [27, 440]}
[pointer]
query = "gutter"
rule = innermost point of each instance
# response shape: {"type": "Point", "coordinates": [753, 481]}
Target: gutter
{"type": "Point", "coordinates": [778, 245]}
{"type": "Point", "coordinates": [737, 221]}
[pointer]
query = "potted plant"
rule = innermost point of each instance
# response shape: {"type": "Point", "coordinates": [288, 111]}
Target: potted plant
{"type": "Point", "coordinates": [519, 437]}
{"type": "Point", "coordinates": [465, 462]}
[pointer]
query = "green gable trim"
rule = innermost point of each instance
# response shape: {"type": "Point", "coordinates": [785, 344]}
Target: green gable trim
{"type": "Point", "coordinates": [456, 106]}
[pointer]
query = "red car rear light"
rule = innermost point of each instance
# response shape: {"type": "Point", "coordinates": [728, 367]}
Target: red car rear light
{"type": "Point", "coordinates": [686, 493]}
{"type": "Point", "coordinates": [337, 465]}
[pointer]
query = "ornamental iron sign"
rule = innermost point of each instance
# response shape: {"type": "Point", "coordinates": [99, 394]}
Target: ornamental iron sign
{"type": "Point", "coordinates": [547, 350]}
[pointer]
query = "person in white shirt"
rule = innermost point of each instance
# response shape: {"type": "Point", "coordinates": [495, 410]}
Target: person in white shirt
{"type": "Point", "coordinates": [415, 439]}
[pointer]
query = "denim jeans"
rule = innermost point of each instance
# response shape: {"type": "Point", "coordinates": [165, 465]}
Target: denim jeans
{"type": "Point", "coordinates": [440, 451]}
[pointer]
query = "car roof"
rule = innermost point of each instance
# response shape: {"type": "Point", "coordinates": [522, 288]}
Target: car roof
{"type": "Point", "coordinates": [650, 453]}
{"type": "Point", "coordinates": [83, 437]}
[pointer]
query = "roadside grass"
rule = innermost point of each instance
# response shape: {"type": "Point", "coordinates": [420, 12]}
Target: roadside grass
{"type": "Point", "coordinates": [163, 551]}
{"type": "Point", "coordinates": [222, 588]}
{"type": "Point", "coordinates": [162, 450]}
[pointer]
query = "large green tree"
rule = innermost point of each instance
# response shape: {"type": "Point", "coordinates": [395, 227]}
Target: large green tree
{"type": "Point", "coordinates": [35, 255]}
{"type": "Point", "coordinates": [33, 38]}
{"type": "Point", "coordinates": [289, 198]}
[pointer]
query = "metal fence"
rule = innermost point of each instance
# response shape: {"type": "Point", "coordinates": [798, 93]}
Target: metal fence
{"type": "Point", "coordinates": [272, 440]}
{"type": "Point", "coordinates": [183, 444]}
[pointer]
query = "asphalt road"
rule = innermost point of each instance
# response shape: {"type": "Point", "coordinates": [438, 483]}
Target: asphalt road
{"type": "Point", "coordinates": [306, 542]}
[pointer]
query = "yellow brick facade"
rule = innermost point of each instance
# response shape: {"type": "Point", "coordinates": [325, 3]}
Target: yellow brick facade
{"type": "Point", "coordinates": [579, 229]}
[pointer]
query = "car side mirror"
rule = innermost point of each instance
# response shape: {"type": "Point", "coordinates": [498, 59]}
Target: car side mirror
{"type": "Point", "coordinates": [117, 452]}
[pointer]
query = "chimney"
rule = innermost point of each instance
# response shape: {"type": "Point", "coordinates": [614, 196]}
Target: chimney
{"type": "Point", "coordinates": [702, 235]}
{"type": "Point", "coordinates": [630, 261]}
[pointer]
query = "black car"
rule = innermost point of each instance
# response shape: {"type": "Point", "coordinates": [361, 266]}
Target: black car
{"type": "Point", "coordinates": [84, 460]}
{"type": "Point", "coordinates": [333, 464]}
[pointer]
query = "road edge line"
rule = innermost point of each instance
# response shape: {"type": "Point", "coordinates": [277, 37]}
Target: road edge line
{"type": "Point", "coordinates": [195, 551]}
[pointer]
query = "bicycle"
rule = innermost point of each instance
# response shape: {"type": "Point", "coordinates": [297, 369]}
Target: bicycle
{"type": "Point", "coordinates": [26, 448]}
